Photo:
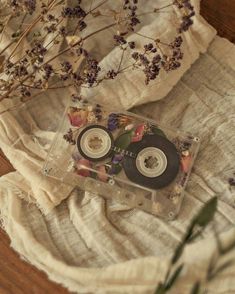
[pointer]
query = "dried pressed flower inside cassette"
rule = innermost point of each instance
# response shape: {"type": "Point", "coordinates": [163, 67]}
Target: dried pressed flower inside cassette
{"type": "Point", "coordinates": [126, 157]}
{"type": "Point", "coordinates": [152, 162]}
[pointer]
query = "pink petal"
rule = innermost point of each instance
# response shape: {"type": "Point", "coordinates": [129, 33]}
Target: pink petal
{"type": "Point", "coordinates": [186, 163]}
{"type": "Point", "coordinates": [83, 166]}
{"type": "Point", "coordinates": [139, 132]}
{"type": "Point", "coordinates": [102, 175]}
{"type": "Point", "coordinates": [76, 120]}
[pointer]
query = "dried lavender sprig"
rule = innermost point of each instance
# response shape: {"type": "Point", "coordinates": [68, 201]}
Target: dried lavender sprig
{"type": "Point", "coordinates": [149, 66]}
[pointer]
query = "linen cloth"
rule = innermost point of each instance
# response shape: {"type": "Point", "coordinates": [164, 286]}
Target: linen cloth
{"type": "Point", "coordinates": [91, 245]}
{"type": "Point", "coordinates": [127, 90]}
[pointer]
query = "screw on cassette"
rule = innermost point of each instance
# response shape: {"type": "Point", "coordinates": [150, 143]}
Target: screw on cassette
{"type": "Point", "coordinates": [156, 162]}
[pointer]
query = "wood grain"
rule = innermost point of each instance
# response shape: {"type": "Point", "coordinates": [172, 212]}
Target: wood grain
{"type": "Point", "coordinates": [16, 276]}
{"type": "Point", "coordinates": [5, 166]}
{"type": "Point", "coordinates": [221, 15]}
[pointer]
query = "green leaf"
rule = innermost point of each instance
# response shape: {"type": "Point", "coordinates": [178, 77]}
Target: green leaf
{"type": "Point", "coordinates": [186, 239]}
{"type": "Point", "coordinates": [124, 140]}
{"type": "Point", "coordinates": [196, 288]}
{"type": "Point", "coordinates": [178, 253]}
{"type": "Point", "coordinates": [174, 277]}
{"type": "Point", "coordinates": [221, 268]}
{"type": "Point", "coordinates": [206, 214]}
{"type": "Point", "coordinates": [160, 289]}
{"type": "Point", "coordinates": [194, 235]}
{"type": "Point", "coordinates": [93, 175]}
{"type": "Point", "coordinates": [158, 131]}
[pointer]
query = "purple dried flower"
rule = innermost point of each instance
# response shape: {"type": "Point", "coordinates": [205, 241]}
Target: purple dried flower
{"type": "Point", "coordinates": [69, 137]}
{"type": "Point", "coordinates": [20, 71]}
{"type": "Point", "coordinates": [143, 59]}
{"type": "Point", "coordinates": [156, 59]}
{"type": "Point", "coordinates": [150, 60]}
{"type": "Point", "coordinates": [231, 182]}
{"type": "Point", "coordinates": [27, 5]}
{"type": "Point", "coordinates": [51, 28]}
{"type": "Point", "coordinates": [66, 66]}
{"type": "Point", "coordinates": [113, 122]}
{"type": "Point", "coordinates": [135, 55]}
{"type": "Point", "coordinates": [76, 97]}
{"type": "Point", "coordinates": [48, 71]}
{"type": "Point", "coordinates": [111, 74]}
{"type": "Point", "coordinates": [62, 31]}
{"type": "Point", "coordinates": [134, 21]}
{"type": "Point", "coordinates": [117, 158]}
{"type": "Point", "coordinates": [148, 47]}
{"type": "Point", "coordinates": [38, 49]}
{"type": "Point", "coordinates": [119, 40]}
{"type": "Point", "coordinates": [131, 45]}
{"type": "Point", "coordinates": [92, 70]}
{"type": "Point", "coordinates": [73, 12]}
{"type": "Point", "coordinates": [25, 92]}
{"type": "Point", "coordinates": [188, 14]}
{"type": "Point", "coordinates": [186, 23]}
{"type": "Point", "coordinates": [82, 25]}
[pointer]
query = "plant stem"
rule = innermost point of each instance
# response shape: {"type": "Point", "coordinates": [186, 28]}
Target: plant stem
{"type": "Point", "coordinates": [145, 36]}
{"type": "Point", "coordinates": [119, 66]}
{"type": "Point", "coordinates": [6, 95]}
{"type": "Point", "coordinates": [79, 42]}
{"type": "Point", "coordinates": [57, 55]}
{"type": "Point", "coordinates": [4, 49]}
{"type": "Point", "coordinates": [29, 29]}
{"type": "Point", "coordinates": [155, 10]}
{"type": "Point", "coordinates": [89, 12]}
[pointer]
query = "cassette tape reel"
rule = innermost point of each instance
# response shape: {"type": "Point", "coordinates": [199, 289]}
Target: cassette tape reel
{"type": "Point", "coordinates": [95, 143]}
{"type": "Point", "coordinates": [156, 163]}
{"type": "Point", "coordinates": [124, 157]}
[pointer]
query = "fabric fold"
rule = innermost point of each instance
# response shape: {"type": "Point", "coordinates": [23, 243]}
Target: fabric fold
{"type": "Point", "coordinates": [92, 245]}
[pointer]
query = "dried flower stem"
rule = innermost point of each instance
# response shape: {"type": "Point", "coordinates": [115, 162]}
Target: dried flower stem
{"type": "Point", "coordinates": [147, 37]}
{"type": "Point", "coordinates": [57, 55]}
{"type": "Point", "coordinates": [120, 63]}
{"type": "Point", "coordinates": [35, 69]}
{"type": "Point", "coordinates": [155, 10]}
{"type": "Point", "coordinates": [8, 45]}
{"type": "Point", "coordinates": [89, 12]}
{"type": "Point", "coordinates": [30, 28]}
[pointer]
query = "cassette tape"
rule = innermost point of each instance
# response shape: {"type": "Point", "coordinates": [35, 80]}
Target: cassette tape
{"type": "Point", "coordinates": [124, 157]}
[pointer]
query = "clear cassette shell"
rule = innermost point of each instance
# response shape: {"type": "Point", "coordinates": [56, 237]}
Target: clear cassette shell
{"type": "Point", "coordinates": [123, 156]}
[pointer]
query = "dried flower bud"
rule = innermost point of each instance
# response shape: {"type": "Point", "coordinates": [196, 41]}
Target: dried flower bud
{"type": "Point", "coordinates": [131, 45]}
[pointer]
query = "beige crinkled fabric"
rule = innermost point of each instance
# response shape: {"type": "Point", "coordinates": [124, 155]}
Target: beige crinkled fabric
{"type": "Point", "coordinates": [95, 246]}
{"type": "Point", "coordinates": [127, 90]}
{"type": "Point", "coordinates": [91, 245]}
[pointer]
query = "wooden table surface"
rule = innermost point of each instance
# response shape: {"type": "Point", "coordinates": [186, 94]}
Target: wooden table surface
{"type": "Point", "coordinates": [16, 276]}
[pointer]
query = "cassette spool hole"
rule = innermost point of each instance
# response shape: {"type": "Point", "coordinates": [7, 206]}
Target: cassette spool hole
{"type": "Point", "coordinates": [95, 143]}
{"type": "Point", "coordinates": [151, 162]}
